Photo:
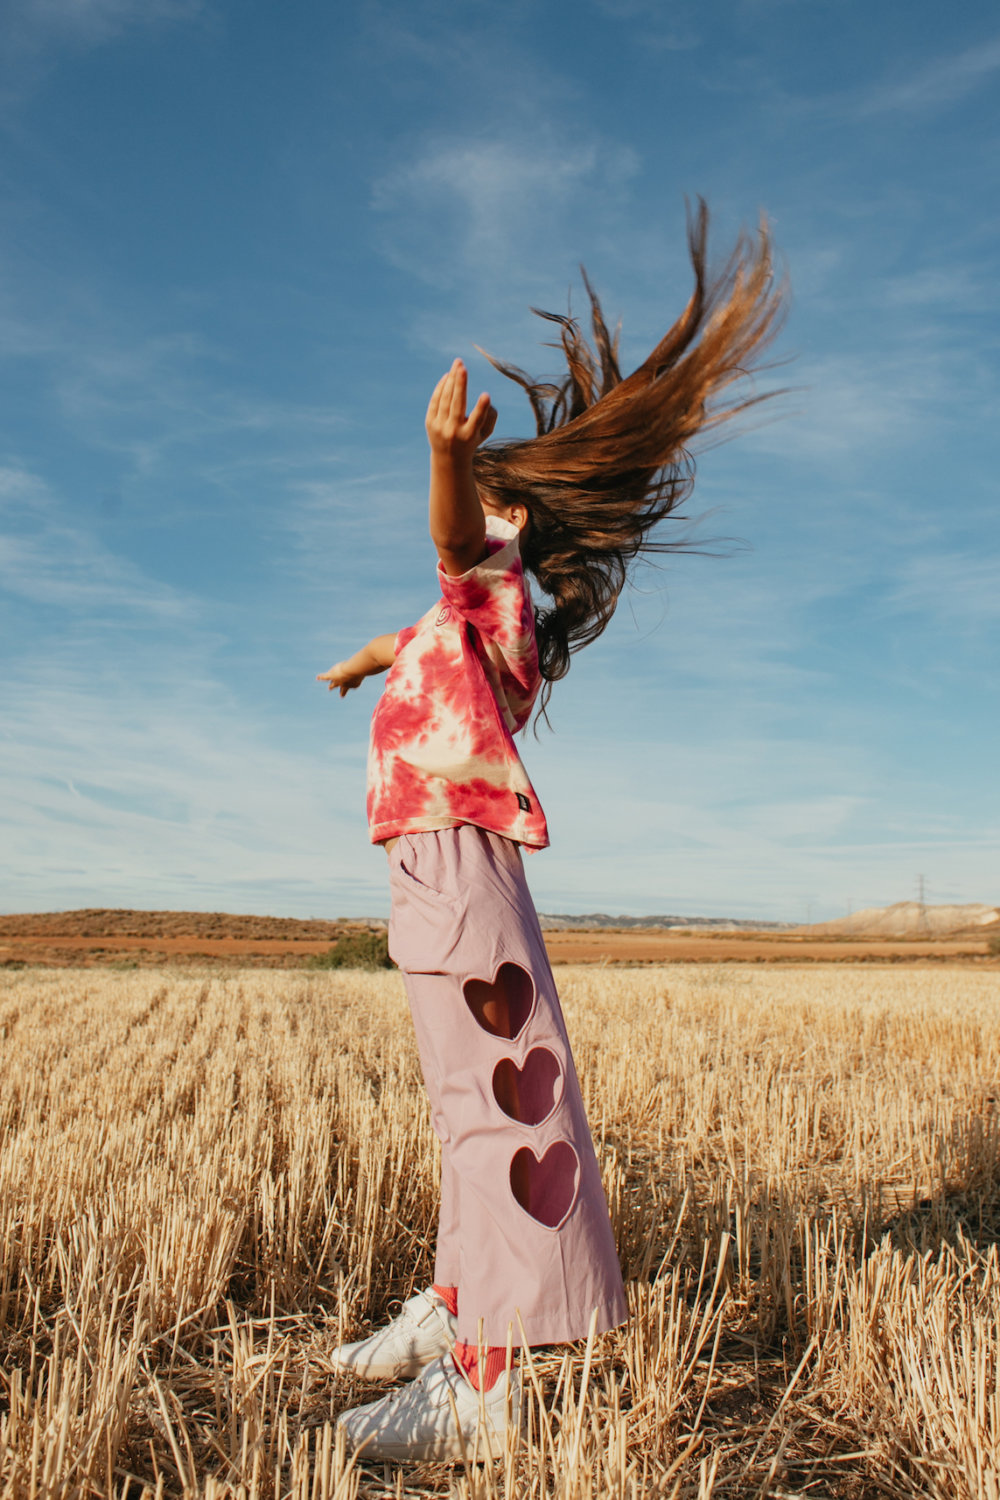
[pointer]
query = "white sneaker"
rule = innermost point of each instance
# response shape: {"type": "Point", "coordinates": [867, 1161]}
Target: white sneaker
{"type": "Point", "coordinates": [418, 1421]}
{"type": "Point", "coordinates": [424, 1330]}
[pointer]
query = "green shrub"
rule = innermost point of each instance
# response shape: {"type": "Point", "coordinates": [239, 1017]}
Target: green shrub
{"type": "Point", "coordinates": [993, 943]}
{"type": "Point", "coordinates": [355, 950]}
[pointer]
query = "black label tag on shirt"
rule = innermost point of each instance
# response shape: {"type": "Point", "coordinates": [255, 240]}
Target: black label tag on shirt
{"type": "Point", "coordinates": [523, 802]}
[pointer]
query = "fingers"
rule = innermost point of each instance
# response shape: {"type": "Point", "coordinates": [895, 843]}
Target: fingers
{"type": "Point", "coordinates": [447, 424]}
{"type": "Point", "coordinates": [443, 398]}
{"type": "Point", "coordinates": [437, 396]}
{"type": "Point", "coordinates": [335, 678]}
{"type": "Point", "coordinates": [459, 379]}
{"type": "Point", "coordinates": [332, 678]}
{"type": "Point", "coordinates": [482, 418]}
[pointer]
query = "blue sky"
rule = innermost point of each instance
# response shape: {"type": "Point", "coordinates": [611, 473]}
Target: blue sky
{"type": "Point", "coordinates": [241, 241]}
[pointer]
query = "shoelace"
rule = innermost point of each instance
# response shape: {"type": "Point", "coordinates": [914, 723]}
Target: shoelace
{"type": "Point", "coordinates": [405, 1315]}
{"type": "Point", "coordinates": [405, 1390]}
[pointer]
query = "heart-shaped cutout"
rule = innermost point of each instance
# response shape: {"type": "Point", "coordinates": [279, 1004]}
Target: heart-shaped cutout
{"type": "Point", "coordinates": [528, 1094]}
{"type": "Point", "coordinates": [502, 1006]}
{"type": "Point", "coordinates": [545, 1189]}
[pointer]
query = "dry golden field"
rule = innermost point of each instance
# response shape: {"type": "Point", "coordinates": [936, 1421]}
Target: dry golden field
{"type": "Point", "coordinates": [206, 1180]}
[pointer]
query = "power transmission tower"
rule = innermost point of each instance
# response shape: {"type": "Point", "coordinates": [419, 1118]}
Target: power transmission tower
{"type": "Point", "coordinates": [922, 901]}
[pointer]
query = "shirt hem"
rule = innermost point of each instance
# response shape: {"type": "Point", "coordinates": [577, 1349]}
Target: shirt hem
{"type": "Point", "coordinates": [379, 833]}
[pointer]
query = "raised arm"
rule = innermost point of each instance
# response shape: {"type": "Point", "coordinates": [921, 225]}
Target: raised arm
{"type": "Point", "coordinates": [377, 656]}
{"type": "Point", "coordinates": [457, 523]}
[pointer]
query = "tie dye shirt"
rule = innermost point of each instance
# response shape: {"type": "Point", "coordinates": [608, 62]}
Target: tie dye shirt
{"type": "Point", "coordinates": [463, 682]}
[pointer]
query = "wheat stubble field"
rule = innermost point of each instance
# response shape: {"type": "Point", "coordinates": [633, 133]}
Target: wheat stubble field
{"type": "Point", "coordinates": [206, 1180]}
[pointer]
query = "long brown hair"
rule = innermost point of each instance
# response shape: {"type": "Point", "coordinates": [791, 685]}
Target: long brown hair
{"type": "Point", "coordinates": [612, 459]}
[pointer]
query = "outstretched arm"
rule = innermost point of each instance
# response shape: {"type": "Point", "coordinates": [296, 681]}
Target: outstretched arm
{"type": "Point", "coordinates": [377, 656]}
{"type": "Point", "coordinates": [458, 526]}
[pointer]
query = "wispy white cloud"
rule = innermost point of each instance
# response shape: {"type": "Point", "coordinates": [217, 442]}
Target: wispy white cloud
{"type": "Point", "coordinates": [96, 20]}
{"type": "Point", "coordinates": [657, 31]}
{"type": "Point", "coordinates": [962, 588]}
{"type": "Point", "coordinates": [848, 403]}
{"type": "Point", "coordinates": [921, 90]}
{"type": "Point", "coordinates": [37, 32]}
{"type": "Point", "coordinates": [157, 792]}
{"type": "Point", "coordinates": [132, 770]}
{"type": "Point", "coordinates": [766, 825]}
{"type": "Point", "coordinates": [48, 560]}
{"type": "Point", "coordinates": [145, 394]}
{"type": "Point", "coordinates": [944, 81]}
{"type": "Point", "coordinates": [469, 206]}
{"type": "Point", "coordinates": [497, 218]}
{"type": "Point", "coordinates": [626, 10]}
{"type": "Point", "coordinates": [958, 288]}
{"type": "Point", "coordinates": [146, 406]}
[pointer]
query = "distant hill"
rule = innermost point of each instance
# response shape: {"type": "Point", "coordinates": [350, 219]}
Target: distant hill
{"type": "Point", "coordinates": [94, 922]}
{"type": "Point", "coordinates": [908, 919]}
{"type": "Point", "coordinates": [600, 919]}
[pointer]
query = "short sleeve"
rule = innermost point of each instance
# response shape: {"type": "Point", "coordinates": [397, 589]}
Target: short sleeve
{"type": "Point", "coordinates": [493, 598]}
{"type": "Point", "coordinates": [403, 638]}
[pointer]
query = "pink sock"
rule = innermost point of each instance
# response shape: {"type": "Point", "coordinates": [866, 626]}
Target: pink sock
{"type": "Point", "coordinates": [449, 1296]}
{"type": "Point", "coordinates": [483, 1376]}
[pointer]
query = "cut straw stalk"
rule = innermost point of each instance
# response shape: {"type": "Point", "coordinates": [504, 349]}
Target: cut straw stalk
{"type": "Point", "coordinates": [204, 1183]}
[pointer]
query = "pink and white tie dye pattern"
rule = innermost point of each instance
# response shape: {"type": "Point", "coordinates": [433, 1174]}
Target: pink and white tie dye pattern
{"type": "Point", "coordinates": [464, 680]}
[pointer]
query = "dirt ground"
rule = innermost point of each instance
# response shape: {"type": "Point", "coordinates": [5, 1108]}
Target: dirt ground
{"type": "Point", "coordinates": [145, 939]}
{"type": "Point", "coordinates": [610, 946]}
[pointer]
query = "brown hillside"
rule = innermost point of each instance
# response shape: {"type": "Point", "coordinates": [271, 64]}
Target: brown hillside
{"type": "Point", "coordinates": [910, 919]}
{"type": "Point", "coordinates": [96, 922]}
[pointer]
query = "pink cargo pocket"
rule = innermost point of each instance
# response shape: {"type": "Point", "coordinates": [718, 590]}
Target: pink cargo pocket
{"type": "Point", "coordinates": [425, 926]}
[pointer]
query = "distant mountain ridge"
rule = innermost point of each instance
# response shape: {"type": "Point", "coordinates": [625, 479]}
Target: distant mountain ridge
{"type": "Point", "coordinates": [905, 919]}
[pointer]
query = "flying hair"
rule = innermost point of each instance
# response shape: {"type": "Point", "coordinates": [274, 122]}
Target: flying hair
{"type": "Point", "coordinates": [612, 456]}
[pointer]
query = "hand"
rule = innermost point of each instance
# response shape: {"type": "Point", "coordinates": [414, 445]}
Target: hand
{"type": "Point", "coordinates": [450, 432]}
{"type": "Point", "coordinates": [378, 655]}
{"type": "Point", "coordinates": [343, 675]}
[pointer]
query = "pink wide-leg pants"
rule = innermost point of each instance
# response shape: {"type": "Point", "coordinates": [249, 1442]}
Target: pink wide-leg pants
{"type": "Point", "coordinates": [524, 1229]}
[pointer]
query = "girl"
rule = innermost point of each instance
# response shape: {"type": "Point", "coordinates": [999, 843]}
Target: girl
{"type": "Point", "coordinates": [525, 1253]}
